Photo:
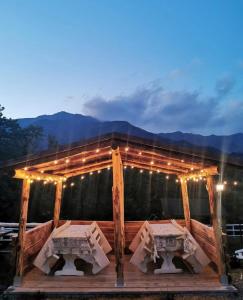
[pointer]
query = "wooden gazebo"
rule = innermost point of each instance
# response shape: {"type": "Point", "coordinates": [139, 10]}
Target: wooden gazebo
{"type": "Point", "coordinates": [116, 151]}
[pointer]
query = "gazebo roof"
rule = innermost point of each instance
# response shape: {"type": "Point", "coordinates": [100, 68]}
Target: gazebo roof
{"type": "Point", "coordinates": [95, 154]}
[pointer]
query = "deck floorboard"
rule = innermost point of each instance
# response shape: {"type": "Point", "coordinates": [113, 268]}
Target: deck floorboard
{"type": "Point", "coordinates": [135, 281]}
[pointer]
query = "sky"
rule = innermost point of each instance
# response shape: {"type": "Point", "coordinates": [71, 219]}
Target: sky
{"type": "Point", "coordinates": [160, 65]}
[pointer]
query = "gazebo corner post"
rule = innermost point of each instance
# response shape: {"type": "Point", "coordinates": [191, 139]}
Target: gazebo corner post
{"type": "Point", "coordinates": [214, 204]}
{"type": "Point", "coordinates": [57, 204]}
{"type": "Point", "coordinates": [24, 203]}
{"type": "Point", "coordinates": [118, 215]}
{"type": "Point", "coordinates": [185, 202]}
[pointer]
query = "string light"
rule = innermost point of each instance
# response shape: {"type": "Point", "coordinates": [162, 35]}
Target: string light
{"type": "Point", "coordinates": [42, 171]}
{"type": "Point", "coordinates": [97, 150]}
{"type": "Point", "coordinates": [84, 160]}
{"type": "Point", "coordinates": [45, 182]}
{"type": "Point", "coordinates": [192, 169]}
{"type": "Point", "coordinates": [64, 186]}
{"type": "Point", "coordinates": [91, 173]}
{"type": "Point", "coordinates": [139, 153]}
{"type": "Point", "coordinates": [125, 167]}
{"type": "Point", "coordinates": [169, 163]}
{"type": "Point", "coordinates": [67, 161]}
{"type": "Point", "coordinates": [167, 177]}
{"type": "Point", "coordinates": [225, 182]}
{"type": "Point", "coordinates": [110, 152]}
{"type": "Point", "coordinates": [126, 149]}
{"type": "Point", "coordinates": [141, 171]}
{"type": "Point", "coordinates": [151, 162]}
{"type": "Point", "coordinates": [182, 160]}
{"type": "Point", "coordinates": [150, 172]}
{"type": "Point", "coordinates": [132, 167]}
{"type": "Point", "coordinates": [72, 184]}
{"type": "Point", "coordinates": [235, 183]}
{"type": "Point", "coordinates": [25, 168]}
{"type": "Point", "coordinates": [82, 177]}
{"type": "Point", "coordinates": [99, 171]}
{"type": "Point", "coordinates": [158, 171]}
{"type": "Point", "coordinates": [108, 168]}
{"type": "Point", "coordinates": [55, 162]}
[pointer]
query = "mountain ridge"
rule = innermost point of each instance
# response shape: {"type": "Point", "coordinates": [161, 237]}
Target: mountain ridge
{"type": "Point", "coordinates": [68, 128]}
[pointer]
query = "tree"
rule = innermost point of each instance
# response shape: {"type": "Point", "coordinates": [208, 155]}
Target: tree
{"type": "Point", "coordinates": [14, 142]}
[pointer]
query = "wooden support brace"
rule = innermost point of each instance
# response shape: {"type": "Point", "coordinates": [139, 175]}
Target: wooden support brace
{"type": "Point", "coordinates": [118, 215]}
{"type": "Point", "coordinates": [215, 217]}
{"type": "Point", "coordinates": [186, 204]}
{"type": "Point", "coordinates": [58, 202]}
{"type": "Point", "coordinates": [22, 227]}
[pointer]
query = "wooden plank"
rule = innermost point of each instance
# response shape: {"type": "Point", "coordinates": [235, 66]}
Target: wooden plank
{"type": "Point", "coordinates": [25, 174]}
{"type": "Point", "coordinates": [213, 205]}
{"type": "Point", "coordinates": [136, 281]}
{"type": "Point", "coordinates": [58, 202]}
{"type": "Point", "coordinates": [34, 240]}
{"type": "Point", "coordinates": [186, 204]}
{"type": "Point", "coordinates": [118, 215]}
{"type": "Point", "coordinates": [204, 172]}
{"type": "Point", "coordinates": [22, 227]}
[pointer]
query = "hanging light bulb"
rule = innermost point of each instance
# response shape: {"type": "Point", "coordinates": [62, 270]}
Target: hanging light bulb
{"type": "Point", "coordinates": [82, 177]}
{"type": "Point", "coordinates": [141, 171]}
{"type": "Point", "coordinates": [67, 160]}
{"type": "Point", "coordinates": [72, 184]}
{"type": "Point", "coordinates": [126, 149]}
{"type": "Point", "coordinates": [97, 150]}
{"type": "Point", "coordinates": [167, 177]}
{"type": "Point", "coordinates": [235, 183]}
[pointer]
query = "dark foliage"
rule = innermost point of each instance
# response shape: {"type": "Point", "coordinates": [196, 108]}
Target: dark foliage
{"type": "Point", "coordinates": [14, 142]}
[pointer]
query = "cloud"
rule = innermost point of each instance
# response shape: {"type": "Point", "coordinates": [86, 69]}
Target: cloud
{"type": "Point", "coordinates": [224, 85]}
{"type": "Point", "coordinates": [159, 110]}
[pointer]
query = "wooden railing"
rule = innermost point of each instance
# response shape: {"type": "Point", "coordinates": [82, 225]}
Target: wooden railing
{"type": "Point", "coordinates": [34, 240]}
{"type": "Point", "coordinates": [204, 235]}
{"type": "Point", "coordinates": [131, 228]}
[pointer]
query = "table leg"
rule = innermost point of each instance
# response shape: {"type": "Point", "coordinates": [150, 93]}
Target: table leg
{"type": "Point", "coordinates": [167, 265]}
{"type": "Point", "coordinates": [69, 267]}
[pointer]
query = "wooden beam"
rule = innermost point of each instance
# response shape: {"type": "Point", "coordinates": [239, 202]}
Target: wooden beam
{"type": "Point", "coordinates": [58, 202]}
{"type": "Point", "coordinates": [204, 172]}
{"type": "Point", "coordinates": [186, 204]}
{"type": "Point", "coordinates": [93, 168]}
{"type": "Point", "coordinates": [118, 215]}
{"type": "Point", "coordinates": [22, 227]}
{"type": "Point", "coordinates": [215, 217]}
{"type": "Point", "coordinates": [160, 159]}
{"type": "Point", "coordinates": [58, 165]}
{"type": "Point", "coordinates": [147, 167]}
{"type": "Point", "coordinates": [24, 174]}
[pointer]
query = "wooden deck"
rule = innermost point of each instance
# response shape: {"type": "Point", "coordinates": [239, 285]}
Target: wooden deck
{"type": "Point", "coordinates": [35, 282]}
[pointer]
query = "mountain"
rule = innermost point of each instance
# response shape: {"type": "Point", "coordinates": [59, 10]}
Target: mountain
{"type": "Point", "coordinates": [225, 143]}
{"type": "Point", "coordinates": [68, 128]}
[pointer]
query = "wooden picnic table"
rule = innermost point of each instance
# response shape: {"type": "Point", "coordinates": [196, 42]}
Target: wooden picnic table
{"type": "Point", "coordinates": [74, 241]}
{"type": "Point", "coordinates": [165, 241]}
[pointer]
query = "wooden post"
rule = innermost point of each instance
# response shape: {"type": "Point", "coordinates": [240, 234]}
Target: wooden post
{"type": "Point", "coordinates": [118, 215]}
{"type": "Point", "coordinates": [215, 217]}
{"type": "Point", "coordinates": [186, 204]}
{"type": "Point", "coordinates": [22, 227]}
{"type": "Point", "coordinates": [57, 205]}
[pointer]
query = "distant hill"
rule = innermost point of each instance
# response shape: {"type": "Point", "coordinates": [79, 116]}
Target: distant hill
{"type": "Point", "coordinates": [225, 143]}
{"type": "Point", "coordinates": [68, 128]}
